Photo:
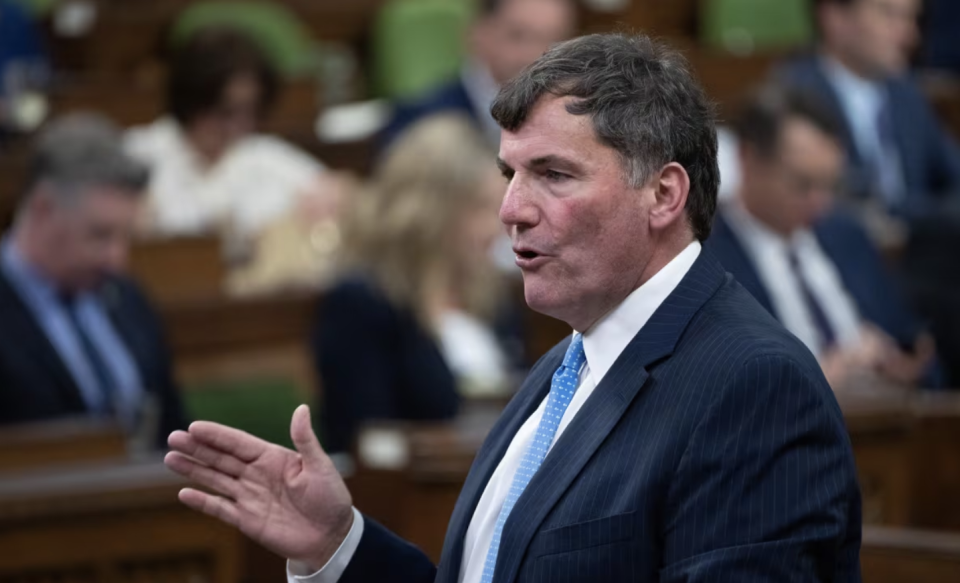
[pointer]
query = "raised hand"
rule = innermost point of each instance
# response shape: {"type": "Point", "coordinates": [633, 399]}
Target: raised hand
{"type": "Point", "coordinates": [292, 502]}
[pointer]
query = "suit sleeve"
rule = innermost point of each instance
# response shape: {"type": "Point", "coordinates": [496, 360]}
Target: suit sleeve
{"type": "Point", "coordinates": [383, 556]}
{"type": "Point", "coordinates": [766, 490]}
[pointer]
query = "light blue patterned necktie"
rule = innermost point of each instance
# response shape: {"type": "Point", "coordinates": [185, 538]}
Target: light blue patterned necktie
{"type": "Point", "coordinates": [562, 388]}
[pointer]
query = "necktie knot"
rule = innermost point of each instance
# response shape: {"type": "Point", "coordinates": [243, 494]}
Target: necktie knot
{"type": "Point", "coordinates": [575, 356]}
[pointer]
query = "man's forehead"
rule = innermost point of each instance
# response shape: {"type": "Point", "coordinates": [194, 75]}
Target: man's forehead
{"type": "Point", "coordinates": [549, 130]}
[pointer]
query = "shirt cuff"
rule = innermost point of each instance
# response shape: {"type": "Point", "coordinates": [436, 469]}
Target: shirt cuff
{"type": "Point", "coordinates": [298, 572]}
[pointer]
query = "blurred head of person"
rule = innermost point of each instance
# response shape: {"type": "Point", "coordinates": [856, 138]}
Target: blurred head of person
{"type": "Point", "coordinates": [221, 85]}
{"type": "Point", "coordinates": [81, 204]}
{"type": "Point", "coordinates": [424, 228]}
{"type": "Point", "coordinates": [792, 158]}
{"type": "Point", "coordinates": [873, 38]}
{"type": "Point", "coordinates": [508, 35]}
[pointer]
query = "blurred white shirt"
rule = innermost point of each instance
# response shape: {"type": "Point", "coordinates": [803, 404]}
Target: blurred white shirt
{"type": "Point", "coordinates": [255, 182]}
{"type": "Point", "coordinates": [769, 253]}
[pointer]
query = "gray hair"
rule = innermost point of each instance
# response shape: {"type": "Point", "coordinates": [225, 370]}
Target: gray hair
{"type": "Point", "coordinates": [643, 103]}
{"type": "Point", "coordinates": [83, 150]}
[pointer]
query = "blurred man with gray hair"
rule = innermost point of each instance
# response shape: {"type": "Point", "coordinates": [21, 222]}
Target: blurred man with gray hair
{"type": "Point", "coordinates": [79, 338]}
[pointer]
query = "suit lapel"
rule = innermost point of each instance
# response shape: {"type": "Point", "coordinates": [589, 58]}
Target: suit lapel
{"type": "Point", "coordinates": [533, 391]}
{"type": "Point", "coordinates": [603, 410]}
{"type": "Point", "coordinates": [735, 260]}
{"type": "Point", "coordinates": [19, 320]}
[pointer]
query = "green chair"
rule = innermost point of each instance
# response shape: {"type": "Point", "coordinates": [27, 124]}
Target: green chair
{"type": "Point", "coordinates": [745, 26]}
{"type": "Point", "coordinates": [259, 407]}
{"type": "Point", "coordinates": [417, 45]}
{"type": "Point", "coordinates": [280, 33]}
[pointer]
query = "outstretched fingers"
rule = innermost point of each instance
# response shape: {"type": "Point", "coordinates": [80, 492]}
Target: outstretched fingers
{"type": "Point", "coordinates": [215, 506]}
{"type": "Point", "coordinates": [228, 440]}
{"type": "Point", "coordinates": [187, 444]}
{"type": "Point", "coordinates": [203, 475]}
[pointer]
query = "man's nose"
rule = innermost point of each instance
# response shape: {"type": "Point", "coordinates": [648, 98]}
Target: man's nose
{"type": "Point", "coordinates": [518, 208]}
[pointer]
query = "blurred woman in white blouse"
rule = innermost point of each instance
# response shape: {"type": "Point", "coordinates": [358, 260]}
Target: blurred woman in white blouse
{"type": "Point", "coordinates": [211, 172]}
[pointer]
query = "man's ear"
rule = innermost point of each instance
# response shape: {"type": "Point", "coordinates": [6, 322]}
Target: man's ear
{"type": "Point", "coordinates": [671, 189]}
{"type": "Point", "coordinates": [39, 202]}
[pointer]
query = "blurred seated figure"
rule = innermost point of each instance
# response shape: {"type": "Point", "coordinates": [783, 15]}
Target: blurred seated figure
{"type": "Point", "coordinates": [810, 265]}
{"type": "Point", "coordinates": [506, 36]}
{"type": "Point", "coordinates": [941, 21]}
{"type": "Point", "coordinates": [77, 337]}
{"type": "Point", "coordinates": [24, 71]}
{"type": "Point", "coordinates": [405, 332]}
{"type": "Point", "coordinates": [899, 155]}
{"type": "Point", "coordinates": [210, 169]}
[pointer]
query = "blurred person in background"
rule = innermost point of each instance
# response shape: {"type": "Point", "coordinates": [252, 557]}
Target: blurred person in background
{"type": "Point", "coordinates": [24, 71]}
{"type": "Point", "coordinates": [405, 332]}
{"type": "Point", "coordinates": [79, 338]}
{"type": "Point", "coordinates": [808, 264]}
{"type": "Point", "coordinates": [506, 36]}
{"type": "Point", "coordinates": [210, 169]}
{"type": "Point", "coordinates": [898, 153]}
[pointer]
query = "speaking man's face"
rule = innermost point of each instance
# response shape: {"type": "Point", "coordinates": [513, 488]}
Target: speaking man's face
{"type": "Point", "coordinates": [580, 231]}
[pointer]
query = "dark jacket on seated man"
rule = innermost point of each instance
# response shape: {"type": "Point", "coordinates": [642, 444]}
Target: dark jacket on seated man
{"type": "Point", "coordinates": [929, 158]}
{"type": "Point", "coordinates": [375, 362]}
{"type": "Point", "coordinates": [858, 263]}
{"type": "Point", "coordinates": [449, 98]}
{"type": "Point", "coordinates": [76, 337]}
{"type": "Point", "coordinates": [41, 376]}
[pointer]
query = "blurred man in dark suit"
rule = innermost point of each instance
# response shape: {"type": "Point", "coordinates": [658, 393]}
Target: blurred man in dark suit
{"type": "Point", "coordinates": [810, 265]}
{"type": "Point", "coordinates": [78, 338]}
{"type": "Point", "coordinates": [506, 36]}
{"type": "Point", "coordinates": [898, 153]}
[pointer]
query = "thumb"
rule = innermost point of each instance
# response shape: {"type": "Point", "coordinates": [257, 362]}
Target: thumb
{"type": "Point", "coordinates": [304, 439]}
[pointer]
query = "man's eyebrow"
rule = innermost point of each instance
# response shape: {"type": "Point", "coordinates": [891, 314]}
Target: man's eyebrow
{"type": "Point", "coordinates": [505, 168]}
{"type": "Point", "coordinates": [555, 162]}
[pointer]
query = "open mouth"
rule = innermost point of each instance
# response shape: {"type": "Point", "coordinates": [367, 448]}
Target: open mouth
{"type": "Point", "coordinates": [527, 255]}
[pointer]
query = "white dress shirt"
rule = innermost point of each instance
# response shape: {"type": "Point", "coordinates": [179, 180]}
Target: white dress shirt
{"type": "Point", "coordinates": [861, 100]}
{"type": "Point", "coordinates": [769, 252]}
{"type": "Point", "coordinates": [602, 344]}
{"type": "Point", "coordinates": [255, 182]}
{"type": "Point", "coordinates": [482, 89]}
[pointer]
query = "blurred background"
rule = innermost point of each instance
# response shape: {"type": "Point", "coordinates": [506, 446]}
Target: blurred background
{"type": "Point", "coordinates": [223, 209]}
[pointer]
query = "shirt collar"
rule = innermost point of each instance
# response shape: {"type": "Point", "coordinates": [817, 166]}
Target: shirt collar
{"type": "Point", "coordinates": [27, 279]}
{"type": "Point", "coordinates": [608, 338]}
{"type": "Point", "coordinates": [762, 237]}
{"type": "Point", "coordinates": [852, 87]}
{"type": "Point", "coordinates": [481, 89]}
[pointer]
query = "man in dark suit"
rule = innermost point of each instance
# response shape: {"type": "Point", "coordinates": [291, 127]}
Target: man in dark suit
{"type": "Point", "coordinates": [506, 36]}
{"type": "Point", "coordinates": [680, 434]}
{"type": "Point", "coordinates": [898, 153]}
{"type": "Point", "coordinates": [77, 338]}
{"type": "Point", "coordinates": [810, 265]}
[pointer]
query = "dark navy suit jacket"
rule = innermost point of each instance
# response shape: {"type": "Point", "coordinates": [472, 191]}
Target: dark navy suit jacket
{"type": "Point", "coordinates": [930, 158]}
{"type": "Point", "coordinates": [451, 97]}
{"type": "Point", "coordinates": [713, 450]}
{"type": "Point", "coordinates": [35, 384]}
{"type": "Point", "coordinates": [858, 262]}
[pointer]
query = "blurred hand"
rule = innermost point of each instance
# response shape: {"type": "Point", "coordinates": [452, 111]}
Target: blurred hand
{"type": "Point", "coordinates": [908, 368]}
{"type": "Point", "coordinates": [292, 502]}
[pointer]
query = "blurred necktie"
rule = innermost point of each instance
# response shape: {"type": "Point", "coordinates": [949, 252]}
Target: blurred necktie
{"type": "Point", "coordinates": [101, 374]}
{"type": "Point", "coordinates": [825, 330]}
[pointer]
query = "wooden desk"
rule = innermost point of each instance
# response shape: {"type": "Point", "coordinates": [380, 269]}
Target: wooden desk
{"type": "Point", "coordinates": [880, 429]}
{"type": "Point", "coordinates": [62, 441]}
{"type": "Point", "coordinates": [895, 555]}
{"type": "Point", "coordinates": [179, 269]}
{"type": "Point", "coordinates": [409, 476]}
{"type": "Point", "coordinates": [110, 523]}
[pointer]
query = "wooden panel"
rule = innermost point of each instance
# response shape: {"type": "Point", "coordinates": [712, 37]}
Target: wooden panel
{"type": "Point", "coordinates": [56, 442]}
{"type": "Point", "coordinates": [936, 458]}
{"type": "Point", "coordinates": [110, 523]}
{"type": "Point", "coordinates": [179, 269]}
{"type": "Point", "coordinates": [890, 555]}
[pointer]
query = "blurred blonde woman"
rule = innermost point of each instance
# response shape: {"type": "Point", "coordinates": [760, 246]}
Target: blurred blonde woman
{"type": "Point", "coordinates": [404, 331]}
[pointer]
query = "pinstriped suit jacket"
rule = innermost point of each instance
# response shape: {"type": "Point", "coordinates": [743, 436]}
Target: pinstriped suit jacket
{"type": "Point", "coordinates": [713, 450]}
